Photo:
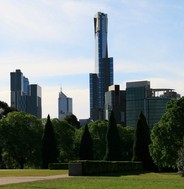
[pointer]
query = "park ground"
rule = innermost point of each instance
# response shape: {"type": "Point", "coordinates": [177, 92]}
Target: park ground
{"type": "Point", "coordinates": [56, 179]}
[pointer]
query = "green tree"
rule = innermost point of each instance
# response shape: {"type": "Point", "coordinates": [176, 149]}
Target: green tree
{"type": "Point", "coordinates": [5, 109]}
{"type": "Point", "coordinates": [98, 130]}
{"type": "Point", "coordinates": [20, 136]}
{"type": "Point", "coordinates": [126, 140]}
{"type": "Point", "coordinates": [77, 142]}
{"type": "Point", "coordinates": [86, 146]}
{"type": "Point", "coordinates": [167, 135]}
{"type": "Point", "coordinates": [180, 161]}
{"type": "Point", "coordinates": [65, 136]}
{"type": "Point", "coordinates": [141, 143]}
{"type": "Point", "coordinates": [113, 147]}
{"type": "Point", "coordinates": [49, 146]}
{"type": "Point", "coordinates": [72, 120]}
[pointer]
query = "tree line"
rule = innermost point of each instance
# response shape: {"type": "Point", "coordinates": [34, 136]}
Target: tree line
{"type": "Point", "coordinates": [25, 140]}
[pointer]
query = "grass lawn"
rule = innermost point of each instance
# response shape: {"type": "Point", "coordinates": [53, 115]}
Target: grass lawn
{"type": "Point", "coordinates": [31, 172]}
{"type": "Point", "coordinates": [141, 181]}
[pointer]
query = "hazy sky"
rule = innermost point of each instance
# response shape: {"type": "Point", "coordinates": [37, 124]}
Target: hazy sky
{"type": "Point", "coordinates": [52, 42]}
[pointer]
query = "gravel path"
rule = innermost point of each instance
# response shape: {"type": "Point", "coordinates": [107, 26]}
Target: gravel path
{"type": "Point", "coordinates": [13, 180]}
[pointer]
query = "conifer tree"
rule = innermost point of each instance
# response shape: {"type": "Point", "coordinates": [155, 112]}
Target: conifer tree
{"type": "Point", "coordinates": [86, 145]}
{"type": "Point", "coordinates": [141, 144]}
{"type": "Point", "coordinates": [113, 151]}
{"type": "Point", "coordinates": [49, 146]}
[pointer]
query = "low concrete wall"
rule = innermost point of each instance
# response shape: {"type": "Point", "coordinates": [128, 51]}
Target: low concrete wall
{"type": "Point", "coordinates": [75, 169]}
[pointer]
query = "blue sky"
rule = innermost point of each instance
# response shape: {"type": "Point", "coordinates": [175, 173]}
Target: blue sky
{"type": "Point", "coordinates": [52, 42]}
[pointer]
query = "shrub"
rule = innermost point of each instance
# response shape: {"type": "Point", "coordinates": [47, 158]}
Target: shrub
{"type": "Point", "coordinates": [106, 167]}
{"type": "Point", "coordinates": [58, 166]}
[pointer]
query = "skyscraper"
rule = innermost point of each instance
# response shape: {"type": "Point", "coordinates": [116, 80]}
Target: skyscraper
{"type": "Point", "coordinates": [64, 105]}
{"type": "Point", "coordinates": [115, 99]}
{"type": "Point", "coordinates": [25, 97]}
{"type": "Point", "coordinates": [151, 102]}
{"type": "Point", "coordinates": [103, 76]}
{"type": "Point", "coordinates": [34, 100]}
{"type": "Point", "coordinates": [19, 89]}
{"type": "Point", "coordinates": [136, 94]}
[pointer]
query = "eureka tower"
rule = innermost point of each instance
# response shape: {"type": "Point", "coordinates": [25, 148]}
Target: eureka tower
{"type": "Point", "coordinates": [103, 76]}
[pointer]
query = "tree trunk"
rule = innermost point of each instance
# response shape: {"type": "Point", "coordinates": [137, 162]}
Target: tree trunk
{"type": "Point", "coordinates": [21, 163]}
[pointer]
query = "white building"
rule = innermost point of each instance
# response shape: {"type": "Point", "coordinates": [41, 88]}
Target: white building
{"type": "Point", "coordinates": [64, 105]}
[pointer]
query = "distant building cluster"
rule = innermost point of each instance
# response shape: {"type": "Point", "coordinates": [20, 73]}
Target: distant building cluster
{"type": "Point", "coordinates": [138, 97]}
{"type": "Point", "coordinates": [104, 95]}
{"type": "Point", "coordinates": [24, 96]}
{"type": "Point", "coordinates": [27, 97]}
{"type": "Point", "coordinates": [129, 103]}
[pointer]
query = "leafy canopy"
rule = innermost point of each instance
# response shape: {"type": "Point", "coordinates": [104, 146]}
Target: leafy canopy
{"type": "Point", "coordinates": [20, 136]}
{"type": "Point", "coordinates": [167, 135]}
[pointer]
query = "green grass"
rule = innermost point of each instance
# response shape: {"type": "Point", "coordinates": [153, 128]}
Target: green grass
{"type": "Point", "coordinates": [31, 172]}
{"type": "Point", "coordinates": [141, 181]}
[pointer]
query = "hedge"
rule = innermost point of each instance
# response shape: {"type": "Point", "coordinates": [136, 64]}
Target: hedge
{"type": "Point", "coordinates": [102, 167]}
{"type": "Point", "coordinates": [58, 166]}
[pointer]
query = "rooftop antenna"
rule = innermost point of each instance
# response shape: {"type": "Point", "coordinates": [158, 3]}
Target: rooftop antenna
{"type": "Point", "coordinates": [60, 87]}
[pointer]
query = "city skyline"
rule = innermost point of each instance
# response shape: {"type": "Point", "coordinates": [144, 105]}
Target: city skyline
{"type": "Point", "coordinates": [52, 42]}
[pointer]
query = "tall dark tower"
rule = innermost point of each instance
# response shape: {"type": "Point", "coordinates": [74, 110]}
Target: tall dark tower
{"type": "Point", "coordinates": [19, 90]}
{"type": "Point", "coordinates": [103, 76]}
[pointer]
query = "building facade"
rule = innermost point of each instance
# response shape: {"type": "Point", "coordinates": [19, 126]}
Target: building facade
{"type": "Point", "coordinates": [25, 97]}
{"type": "Point", "coordinates": [34, 100]}
{"type": "Point", "coordinates": [151, 102]}
{"type": "Point", "coordinates": [64, 105]}
{"type": "Point", "coordinates": [115, 99]}
{"type": "Point", "coordinates": [156, 104]}
{"type": "Point", "coordinates": [135, 100]}
{"type": "Point", "coordinates": [103, 76]}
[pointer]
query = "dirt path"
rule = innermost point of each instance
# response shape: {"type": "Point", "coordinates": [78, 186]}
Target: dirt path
{"type": "Point", "coordinates": [13, 180]}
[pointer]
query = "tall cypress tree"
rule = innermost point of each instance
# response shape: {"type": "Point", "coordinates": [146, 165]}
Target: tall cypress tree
{"type": "Point", "coordinates": [49, 146]}
{"type": "Point", "coordinates": [113, 149]}
{"type": "Point", "coordinates": [141, 144]}
{"type": "Point", "coordinates": [86, 145]}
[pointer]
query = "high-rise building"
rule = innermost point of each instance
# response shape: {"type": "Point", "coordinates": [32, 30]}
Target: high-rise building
{"type": "Point", "coordinates": [151, 102]}
{"type": "Point", "coordinates": [18, 99]}
{"type": "Point", "coordinates": [64, 105]}
{"type": "Point", "coordinates": [115, 100]}
{"type": "Point", "coordinates": [34, 100]}
{"type": "Point", "coordinates": [135, 100]}
{"type": "Point", "coordinates": [156, 103]}
{"type": "Point", "coordinates": [25, 97]}
{"type": "Point", "coordinates": [103, 76]}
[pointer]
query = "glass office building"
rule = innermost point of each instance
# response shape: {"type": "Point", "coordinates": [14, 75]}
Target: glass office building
{"type": "Point", "coordinates": [151, 102]}
{"type": "Point", "coordinates": [64, 105]}
{"type": "Point", "coordinates": [157, 102]}
{"type": "Point", "coordinates": [136, 93]}
{"type": "Point", "coordinates": [103, 76]}
{"type": "Point", "coordinates": [25, 97]}
{"type": "Point", "coordinates": [18, 85]}
{"type": "Point", "coordinates": [34, 100]}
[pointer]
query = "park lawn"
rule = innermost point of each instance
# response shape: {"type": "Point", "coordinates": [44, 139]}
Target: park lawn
{"type": "Point", "coordinates": [141, 181]}
{"type": "Point", "coordinates": [31, 172]}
